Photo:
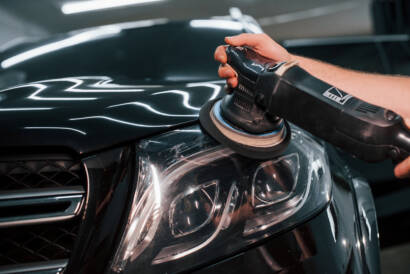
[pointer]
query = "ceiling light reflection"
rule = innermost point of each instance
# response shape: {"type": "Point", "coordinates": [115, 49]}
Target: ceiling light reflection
{"type": "Point", "coordinates": [83, 37]}
{"type": "Point", "coordinates": [93, 5]}
{"type": "Point", "coordinates": [216, 24]}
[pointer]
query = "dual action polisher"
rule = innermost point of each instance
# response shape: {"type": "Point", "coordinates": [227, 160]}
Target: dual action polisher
{"type": "Point", "coordinates": [252, 119]}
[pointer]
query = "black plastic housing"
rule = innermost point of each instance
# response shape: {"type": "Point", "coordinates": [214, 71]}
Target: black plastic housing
{"type": "Point", "coordinates": [367, 131]}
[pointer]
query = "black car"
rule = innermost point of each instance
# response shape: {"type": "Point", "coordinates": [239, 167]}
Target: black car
{"type": "Point", "coordinates": [104, 166]}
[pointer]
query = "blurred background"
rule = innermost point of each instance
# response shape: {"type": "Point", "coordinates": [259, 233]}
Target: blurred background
{"type": "Point", "coordinates": [284, 20]}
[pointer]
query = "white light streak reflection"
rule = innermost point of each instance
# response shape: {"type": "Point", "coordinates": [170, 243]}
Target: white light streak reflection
{"type": "Point", "coordinates": [185, 97]}
{"type": "Point", "coordinates": [141, 23]}
{"type": "Point", "coordinates": [103, 84]}
{"type": "Point", "coordinates": [216, 24]}
{"type": "Point", "coordinates": [332, 223]}
{"type": "Point", "coordinates": [117, 121]}
{"type": "Point", "coordinates": [95, 5]}
{"type": "Point", "coordinates": [23, 109]}
{"type": "Point", "coordinates": [83, 37]}
{"type": "Point", "coordinates": [155, 183]}
{"type": "Point", "coordinates": [85, 84]}
{"type": "Point", "coordinates": [216, 88]}
{"type": "Point", "coordinates": [62, 128]}
{"type": "Point", "coordinates": [188, 130]}
{"type": "Point", "coordinates": [151, 109]}
{"type": "Point", "coordinates": [41, 88]}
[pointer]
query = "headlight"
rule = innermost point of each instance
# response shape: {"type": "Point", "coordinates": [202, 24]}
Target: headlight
{"type": "Point", "coordinates": [197, 201]}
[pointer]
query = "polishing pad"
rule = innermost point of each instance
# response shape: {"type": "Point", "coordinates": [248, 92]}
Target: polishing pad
{"type": "Point", "coordinates": [257, 146]}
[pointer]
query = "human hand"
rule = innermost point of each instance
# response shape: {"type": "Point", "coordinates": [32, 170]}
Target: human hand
{"type": "Point", "coordinates": [260, 43]}
{"type": "Point", "coordinates": [402, 170]}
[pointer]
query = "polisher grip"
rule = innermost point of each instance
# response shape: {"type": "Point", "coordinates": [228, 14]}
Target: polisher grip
{"type": "Point", "coordinates": [367, 131]}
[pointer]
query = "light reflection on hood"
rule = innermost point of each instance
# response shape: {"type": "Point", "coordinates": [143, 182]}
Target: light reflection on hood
{"type": "Point", "coordinates": [94, 111]}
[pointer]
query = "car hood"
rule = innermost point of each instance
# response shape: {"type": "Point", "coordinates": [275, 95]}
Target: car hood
{"type": "Point", "coordinates": [91, 113]}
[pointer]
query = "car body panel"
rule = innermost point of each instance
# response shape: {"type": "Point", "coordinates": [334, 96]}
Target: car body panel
{"type": "Point", "coordinates": [86, 114]}
{"type": "Point", "coordinates": [99, 87]}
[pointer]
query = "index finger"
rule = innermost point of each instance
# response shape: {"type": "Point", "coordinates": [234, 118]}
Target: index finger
{"type": "Point", "coordinates": [220, 54]}
{"type": "Point", "coordinates": [245, 39]}
{"type": "Point", "coordinates": [402, 170]}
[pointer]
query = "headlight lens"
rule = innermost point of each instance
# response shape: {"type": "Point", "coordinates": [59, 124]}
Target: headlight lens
{"type": "Point", "coordinates": [193, 209]}
{"type": "Point", "coordinates": [197, 201]}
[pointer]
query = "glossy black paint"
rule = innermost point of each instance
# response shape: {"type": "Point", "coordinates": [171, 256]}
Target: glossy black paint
{"type": "Point", "coordinates": [87, 114]}
{"type": "Point", "coordinates": [100, 87]}
{"type": "Point", "coordinates": [149, 52]}
{"type": "Point", "coordinates": [110, 175]}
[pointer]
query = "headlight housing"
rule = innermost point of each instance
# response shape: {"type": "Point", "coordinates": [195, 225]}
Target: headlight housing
{"type": "Point", "coordinates": [197, 201]}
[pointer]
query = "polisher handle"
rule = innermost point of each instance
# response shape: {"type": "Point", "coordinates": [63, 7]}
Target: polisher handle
{"type": "Point", "coordinates": [367, 131]}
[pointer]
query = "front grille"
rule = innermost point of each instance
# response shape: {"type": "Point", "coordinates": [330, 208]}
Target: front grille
{"type": "Point", "coordinates": [20, 174]}
{"type": "Point", "coordinates": [44, 239]}
{"type": "Point", "coordinates": [40, 243]}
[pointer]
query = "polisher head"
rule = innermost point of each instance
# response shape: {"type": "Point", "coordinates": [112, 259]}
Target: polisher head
{"type": "Point", "coordinates": [265, 145]}
{"type": "Point", "coordinates": [240, 120]}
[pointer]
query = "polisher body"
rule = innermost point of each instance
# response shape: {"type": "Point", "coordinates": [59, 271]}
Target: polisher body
{"type": "Point", "coordinates": [268, 90]}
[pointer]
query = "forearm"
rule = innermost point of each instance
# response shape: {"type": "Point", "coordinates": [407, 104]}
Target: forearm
{"type": "Point", "coordinates": [391, 92]}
